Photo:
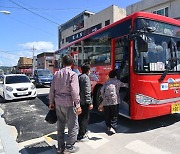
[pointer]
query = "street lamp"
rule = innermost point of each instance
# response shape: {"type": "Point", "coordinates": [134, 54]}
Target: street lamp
{"type": "Point", "coordinates": [5, 12]}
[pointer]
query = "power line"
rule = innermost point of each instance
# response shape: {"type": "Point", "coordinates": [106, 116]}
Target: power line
{"type": "Point", "coordinates": [32, 26]}
{"type": "Point", "coordinates": [8, 52]}
{"type": "Point", "coordinates": [34, 13]}
{"type": "Point", "coordinates": [44, 9]}
{"type": "Point", "coordinates": [37, 9]}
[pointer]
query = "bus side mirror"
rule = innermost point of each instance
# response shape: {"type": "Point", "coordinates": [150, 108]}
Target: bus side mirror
{"type": "Point", "coordinates": [142, 44]}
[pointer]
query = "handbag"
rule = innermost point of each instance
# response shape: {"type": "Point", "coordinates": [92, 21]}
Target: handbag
{"type": "Point", "coordinates": [51, 116]}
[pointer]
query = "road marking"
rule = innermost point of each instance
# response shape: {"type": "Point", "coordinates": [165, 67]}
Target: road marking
{"type": "Point", "coordinates": [143, 148]}
{"type": "Point", "coordinates": [1, 147]}
{"type": "Point", "coordinates": [33, 107]}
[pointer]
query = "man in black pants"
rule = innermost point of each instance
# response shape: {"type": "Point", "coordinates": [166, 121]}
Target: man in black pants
{"type": "Point", "coordinates": [85, 101]}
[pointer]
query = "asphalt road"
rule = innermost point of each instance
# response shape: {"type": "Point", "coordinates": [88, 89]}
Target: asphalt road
{"type": "Point", "coordinates": [28, 115]}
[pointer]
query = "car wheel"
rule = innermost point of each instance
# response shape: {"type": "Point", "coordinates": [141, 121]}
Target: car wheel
{"type": "Point", "coordinates": [33, 97]}
{"type": "Point", "coordinates": [4, 99]}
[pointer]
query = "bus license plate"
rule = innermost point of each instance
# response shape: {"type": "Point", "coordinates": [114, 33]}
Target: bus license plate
{"type": "Point", "coordinates": [175, 108]}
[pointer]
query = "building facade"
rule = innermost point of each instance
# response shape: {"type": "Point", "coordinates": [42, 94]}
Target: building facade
{"type": "Point", "coordinates": [24, 66]}
{"type": "Point", "coordinates": [169, 8]}
{"type": "Point", "coordinates": [45, 60]}
{"type": "Point", "coordinates": [86, 23]}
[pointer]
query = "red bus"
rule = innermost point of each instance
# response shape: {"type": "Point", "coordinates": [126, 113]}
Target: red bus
{"type": "Point", "coordinates": [144, 48]}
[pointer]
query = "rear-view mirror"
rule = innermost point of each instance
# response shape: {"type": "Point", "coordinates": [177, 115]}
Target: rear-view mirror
{"type": "Point", "coordinates": [32, 80]}
{"type": "Point", "coordinates": [142, 44]}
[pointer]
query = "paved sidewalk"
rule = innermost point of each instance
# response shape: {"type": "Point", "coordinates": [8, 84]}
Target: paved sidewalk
{"type": "Point", "coordinates": [8, 144]}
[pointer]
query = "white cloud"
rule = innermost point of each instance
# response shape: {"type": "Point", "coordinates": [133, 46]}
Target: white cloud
{"type": "Point", "coordinates": [11, 59]}
{"type": "Point", "coordinates": [40, 46]}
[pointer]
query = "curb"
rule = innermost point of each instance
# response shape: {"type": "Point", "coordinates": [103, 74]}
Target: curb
{"type": "Point", "coordinates": [7, 140]}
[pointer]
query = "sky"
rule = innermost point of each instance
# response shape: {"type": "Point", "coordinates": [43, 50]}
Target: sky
{"type": "Point", "coordinates": [34, 23]}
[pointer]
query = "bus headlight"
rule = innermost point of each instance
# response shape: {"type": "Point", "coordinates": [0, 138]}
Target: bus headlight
{"type": "Point", "coordinates": [145, 100]}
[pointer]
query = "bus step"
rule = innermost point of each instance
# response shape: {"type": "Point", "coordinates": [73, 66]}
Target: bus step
{"type": "Point", "coordinates": [124, 108]}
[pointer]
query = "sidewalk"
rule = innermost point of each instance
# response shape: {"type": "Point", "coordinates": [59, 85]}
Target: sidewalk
{"type": "Point", "coordinates": [8, 144]}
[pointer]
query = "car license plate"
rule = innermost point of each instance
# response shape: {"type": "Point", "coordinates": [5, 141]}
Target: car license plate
{"type": "Point", "coordinates": [22, 93]}
{"type": "Point", "coordinates": [175, 108]}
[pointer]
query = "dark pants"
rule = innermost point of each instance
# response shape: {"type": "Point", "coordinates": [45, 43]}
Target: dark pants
{"type": "Point", "coordinates": [111, 115]}
{"type": "Point", "coordinates": [83, 120]}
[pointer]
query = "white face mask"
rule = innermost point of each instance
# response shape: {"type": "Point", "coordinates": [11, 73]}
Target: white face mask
{"type": "Point", "coordinates": [89, 73]}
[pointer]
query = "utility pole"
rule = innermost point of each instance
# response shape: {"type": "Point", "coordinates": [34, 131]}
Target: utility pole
{"type": "Point", "coordinates": [33, 49]}
{"type": "Point", "coordinates": [45, 62]}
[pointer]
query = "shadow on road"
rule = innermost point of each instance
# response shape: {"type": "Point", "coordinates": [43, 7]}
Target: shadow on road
{"type": "Point", "coordinates": [41, 147]}
{"type": "Point", "coordinates": [44, 98]}
{"type": "Point", "coordinates": [136, 126]}
{"type": "Point", "coordinates": [148, 124]}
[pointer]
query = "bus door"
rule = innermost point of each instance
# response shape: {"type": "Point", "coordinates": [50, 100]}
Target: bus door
{"type": "Point", "coordinates": [121, 64]}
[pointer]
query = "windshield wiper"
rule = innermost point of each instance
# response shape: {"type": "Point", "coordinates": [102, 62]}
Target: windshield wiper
{"type": "Point", "coordinates": [165, 72]}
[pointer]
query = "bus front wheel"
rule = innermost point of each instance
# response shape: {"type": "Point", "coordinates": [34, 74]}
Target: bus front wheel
{"type": "Point", "coordinates": [97, 97]}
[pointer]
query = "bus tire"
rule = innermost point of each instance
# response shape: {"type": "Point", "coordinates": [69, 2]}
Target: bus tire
{"type": "Point", "coordinates": [97, 99]}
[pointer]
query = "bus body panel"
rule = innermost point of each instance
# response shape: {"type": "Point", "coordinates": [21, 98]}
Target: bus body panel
{"type": "Point", "coordinates": [99, 74]}
{"type": "Point", "coordinates": [150, 86]}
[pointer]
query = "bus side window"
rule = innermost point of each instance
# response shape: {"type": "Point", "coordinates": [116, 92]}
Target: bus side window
{"type": "Point", "coordinates": [97, 49]}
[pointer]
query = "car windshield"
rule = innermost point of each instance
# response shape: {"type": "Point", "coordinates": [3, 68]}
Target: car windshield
{"type": "Point", "coordinates": [163, 49]}
{"type": "Point", "coordinates": [17, 79]}
{"type": "Point", "coordinates": [44, 73]}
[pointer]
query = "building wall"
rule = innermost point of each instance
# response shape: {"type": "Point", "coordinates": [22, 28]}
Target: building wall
{"type": "Point", "coordinates": [45, 61]}
{"type": "Point", "coordinates": [152, 5]}
{"type": "Point", "coordinates": [112, 13]}
{"type": "Point", "coordinates": [24, 62]}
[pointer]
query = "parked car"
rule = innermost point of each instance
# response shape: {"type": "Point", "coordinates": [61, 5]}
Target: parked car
{"type": "Point", "coordinates": [42, 77]}
{"type": "Point", "coordinates": [16, 86]}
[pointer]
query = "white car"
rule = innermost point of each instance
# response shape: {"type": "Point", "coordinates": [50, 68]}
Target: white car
{"type": "Point", "coordinates": [16, 86]}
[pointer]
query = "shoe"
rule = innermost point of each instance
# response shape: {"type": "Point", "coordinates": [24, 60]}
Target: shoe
{"type": "Point", "coordinates": [79, 137]}
{"type": "Point", "coordinates": [113, 131]}
{"type": "Point", "coordinates": [71, 149]}
{"type": "Point", "coordinates": [84, 138]}
{"type": "Point", "coordinates": [60, 150]}
{"type": "Point", "coordinates": [108, 129]}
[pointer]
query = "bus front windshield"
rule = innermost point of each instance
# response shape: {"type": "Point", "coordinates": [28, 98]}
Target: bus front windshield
{"type": "Point", "coordinates": [163, 48]}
